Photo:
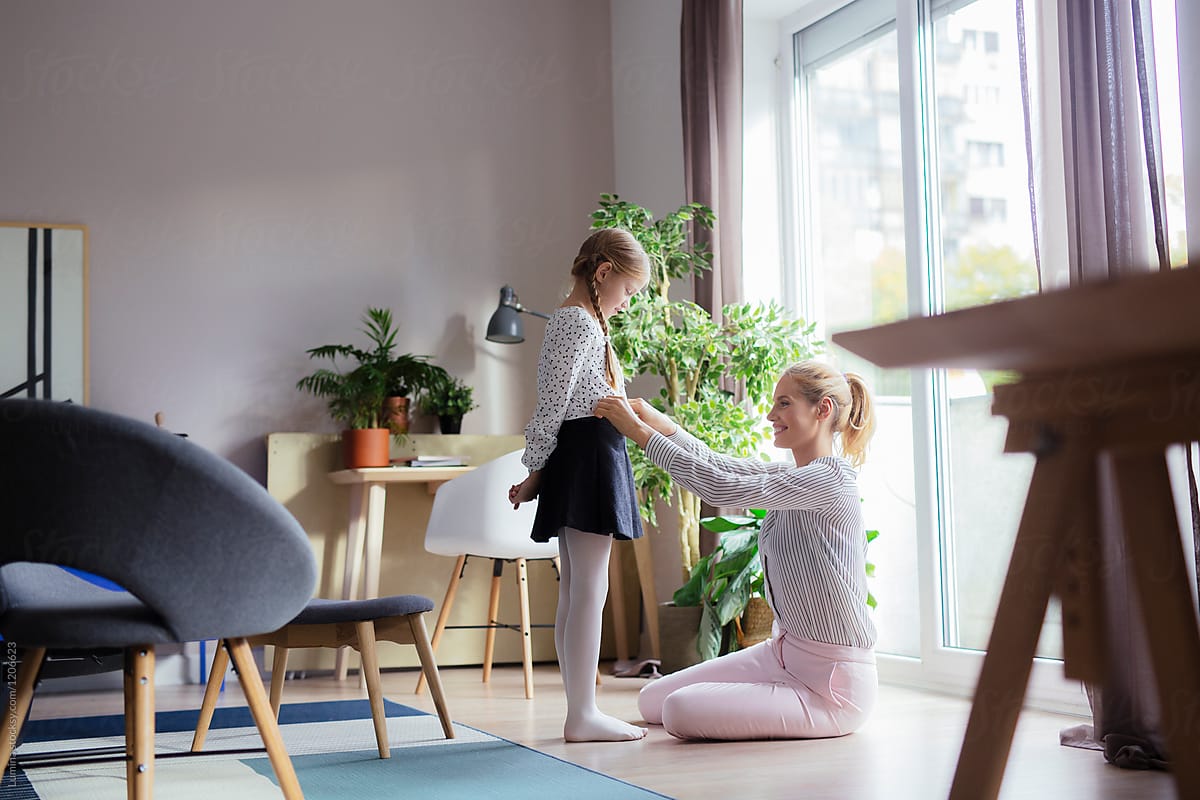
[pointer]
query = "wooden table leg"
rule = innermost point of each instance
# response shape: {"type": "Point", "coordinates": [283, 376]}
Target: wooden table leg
{"type": "Point", "coordinates": [616, 602]}
{"type": "Point", "coordinates": [1152, 541]}
{"type": "Point", "coordinates": [376, 503]}
{"type": "Point", "coordinates": [643, 553]}
{"type": "Point", "coordinates": [352, 566]}
{"type": "Point", "coordinates": [1036, 555]}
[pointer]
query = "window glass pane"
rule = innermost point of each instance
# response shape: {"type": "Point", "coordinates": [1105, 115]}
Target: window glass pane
{"type": "Point", "coordinates": [987, 255]}
{"type": "Point", "coordinates": [1166, 69]}
{"type": "Point", "coordinates": [854, 241]}
{"type": "Point", "coordinates": [856, 216]}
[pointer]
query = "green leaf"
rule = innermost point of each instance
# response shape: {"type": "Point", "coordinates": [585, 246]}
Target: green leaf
{"type": "Point", "coordinates": [708, 643]}
{"type": "Point", "coordinates": [723, 524]}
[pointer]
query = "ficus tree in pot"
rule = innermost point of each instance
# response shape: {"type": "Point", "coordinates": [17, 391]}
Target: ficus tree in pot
{"type": "Point", "coordinates": [700, 361]}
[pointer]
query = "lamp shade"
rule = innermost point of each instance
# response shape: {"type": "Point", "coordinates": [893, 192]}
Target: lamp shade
{"type": "Point", "coordinates": [505, 326]}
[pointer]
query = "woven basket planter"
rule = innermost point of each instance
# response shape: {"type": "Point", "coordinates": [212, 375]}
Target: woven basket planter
{"type": "Point", "coordinates": [755, 623]}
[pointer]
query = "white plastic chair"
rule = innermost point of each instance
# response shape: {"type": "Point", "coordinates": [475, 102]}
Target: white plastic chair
{"type": "Point", "coordinates": [472, 518]}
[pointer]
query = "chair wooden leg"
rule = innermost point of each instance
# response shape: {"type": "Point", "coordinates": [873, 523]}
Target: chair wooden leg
{"type": "Point", "coordinates": [370, 664]}
{"type": "Point", "coordinates": [18, 705]}
{"type": "Point", "coordinates": [444, 613]}
{"type": "Point", "coordinates": [526, 631]}
{"type": "Point", "coordinates": [260, 708]}
{"type": "Point", "coordinates": [493, 617]}
{"type": "Point", "coordinates": [212, 691]}
{"type": "Point", "coordinates": [278, 676]}
{"type": "Point", "coordinates": [429, 669]}
{"type": "Point", "coordinates": [139, 722]}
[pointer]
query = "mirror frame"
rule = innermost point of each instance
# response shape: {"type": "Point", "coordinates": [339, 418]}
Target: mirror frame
{"type": "Point", "coordinates": [86, 289]}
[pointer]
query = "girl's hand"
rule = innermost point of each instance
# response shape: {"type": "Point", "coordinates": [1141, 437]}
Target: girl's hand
{"type": "Point", "coordinates": [524, 491]}
{"type": "Point", "coordinates": [652, 416]}
{"type": "Point", "coordinates": [617, 411]}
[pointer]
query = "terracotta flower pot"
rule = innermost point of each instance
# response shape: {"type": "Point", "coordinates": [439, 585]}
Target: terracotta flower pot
{"type": "Point", "coordinates": [395, 414]}
{"type": "Point", "coordinates": [366, 447]}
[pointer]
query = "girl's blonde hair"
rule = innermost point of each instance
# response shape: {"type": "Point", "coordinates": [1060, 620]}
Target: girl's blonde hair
{"type": "Point", "coordinates": [854, 410]}
{"type": "Point", "coordinates": [620, 248]}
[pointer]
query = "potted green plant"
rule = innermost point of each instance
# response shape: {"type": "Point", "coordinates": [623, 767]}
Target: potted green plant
{"type": "Point", "coordinates": [355, 386]}
{"type": "Point", "coordinates": [729, 584]}
{"type": "Point", "coordinates": [408, 375]}
{"type": "Point", "coordinates": [450, 399]}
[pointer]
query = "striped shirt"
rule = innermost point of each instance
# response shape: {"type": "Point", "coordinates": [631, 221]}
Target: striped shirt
{"type": "Point", "coordinates": [813, 543]}
{"type": "Point", "coordinates": [571, 379]}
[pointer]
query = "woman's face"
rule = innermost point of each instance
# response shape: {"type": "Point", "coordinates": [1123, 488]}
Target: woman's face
{"type": "Point", "coordinates": [794, 419]}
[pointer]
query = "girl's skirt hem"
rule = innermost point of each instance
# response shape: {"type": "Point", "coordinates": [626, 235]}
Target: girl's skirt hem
{"type": "Point", "coordinates": [587, 484]}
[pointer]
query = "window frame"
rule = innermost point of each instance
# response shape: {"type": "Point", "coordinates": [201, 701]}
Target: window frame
{"type": "Point", "coordinates": [938, 667]}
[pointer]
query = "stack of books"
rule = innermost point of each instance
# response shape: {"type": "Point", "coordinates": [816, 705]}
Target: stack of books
{"type": "Point", "coordinates": [438, 461]}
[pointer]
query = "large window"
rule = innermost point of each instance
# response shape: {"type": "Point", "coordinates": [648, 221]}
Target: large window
{"type": "Point", "coordinates": [906, 192]}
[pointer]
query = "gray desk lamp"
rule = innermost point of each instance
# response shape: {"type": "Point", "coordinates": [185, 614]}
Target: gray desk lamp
{"type": "Point", "coordinates": [505, 326]}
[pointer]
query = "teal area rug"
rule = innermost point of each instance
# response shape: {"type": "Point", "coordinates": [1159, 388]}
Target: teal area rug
{"type": "Point", "coordinates": [332, 745]}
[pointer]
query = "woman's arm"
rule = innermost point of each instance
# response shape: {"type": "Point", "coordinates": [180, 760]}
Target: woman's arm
{"type": "Point", "coordinates": [656, 421]}
{"type": "Point", "coordinates": [816, 485]}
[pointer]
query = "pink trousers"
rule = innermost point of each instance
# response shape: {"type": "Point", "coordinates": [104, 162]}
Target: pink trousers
{"type": "Point", "coordinates": [783, 688]}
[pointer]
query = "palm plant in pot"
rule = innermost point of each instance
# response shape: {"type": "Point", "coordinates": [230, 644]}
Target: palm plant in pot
{"type": "Point", "coordinates": [450, 399]}
{"type": "Point", "coordinates": [355, 393]}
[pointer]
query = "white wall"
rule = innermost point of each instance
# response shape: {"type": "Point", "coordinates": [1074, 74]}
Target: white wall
{"type": "Point", "coordinates": [255, 174]}
{"type": "Point", "coordinates": [647, 117]}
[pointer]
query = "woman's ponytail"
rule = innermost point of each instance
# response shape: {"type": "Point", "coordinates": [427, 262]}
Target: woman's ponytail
{"type": "Point", "coordinates": [860, 422]}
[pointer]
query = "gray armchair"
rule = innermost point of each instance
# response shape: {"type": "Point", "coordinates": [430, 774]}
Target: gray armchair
{"type": "Point", "coordinates": [201, 549]}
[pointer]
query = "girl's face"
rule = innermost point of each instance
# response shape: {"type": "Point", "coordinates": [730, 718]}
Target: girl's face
{"type": "Point", "coordinates": [794, 419]}
{"type": "Point", "coordinates": [614, 289]}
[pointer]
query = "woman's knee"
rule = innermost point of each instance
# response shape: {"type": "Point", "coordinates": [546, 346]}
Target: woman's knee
{"type": "Point", "coordinates": [690, 713]}
{"type": "Point", "coordinates": [650, 702]}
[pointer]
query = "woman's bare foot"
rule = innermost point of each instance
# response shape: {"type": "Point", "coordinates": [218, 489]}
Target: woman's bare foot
{"type": "Point", "coordinates": [597, 727]}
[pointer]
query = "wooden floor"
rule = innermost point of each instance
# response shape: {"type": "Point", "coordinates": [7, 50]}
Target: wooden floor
{"type": "Point", "coordinates": [907, 750]}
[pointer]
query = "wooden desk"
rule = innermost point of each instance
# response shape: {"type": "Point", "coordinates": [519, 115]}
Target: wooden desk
{"type": "Point", "coordinates": [1110, 371]}
{"type": "Point", "coordinates": [364, 531]}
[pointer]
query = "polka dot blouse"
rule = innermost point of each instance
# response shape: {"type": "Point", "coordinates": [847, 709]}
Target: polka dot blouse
{"type": "Point", "coordinates": [570, 379]}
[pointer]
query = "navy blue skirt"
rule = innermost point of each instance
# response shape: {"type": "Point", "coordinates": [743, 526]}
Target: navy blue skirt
{"type": "Point", "coordinates": [587, 484]}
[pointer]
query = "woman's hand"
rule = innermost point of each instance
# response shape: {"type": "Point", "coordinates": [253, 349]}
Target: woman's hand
{"type": "Point", "coordinates": [617, 411]}
{"type": "Point", "coordinates": [524, 491]}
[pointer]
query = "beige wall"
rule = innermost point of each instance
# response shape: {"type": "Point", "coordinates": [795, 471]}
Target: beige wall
{"type": "Point", "coordinates": [255, 174]}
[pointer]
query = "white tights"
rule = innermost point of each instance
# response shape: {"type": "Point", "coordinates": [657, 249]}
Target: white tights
{"type": "Point", "coordinates": [583, 586]}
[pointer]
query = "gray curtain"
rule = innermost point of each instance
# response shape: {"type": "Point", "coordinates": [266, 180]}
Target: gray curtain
{"type": "Point", "coordinates": [711, 89]}
{"type": "Point", "coordinates": [1115, 224]}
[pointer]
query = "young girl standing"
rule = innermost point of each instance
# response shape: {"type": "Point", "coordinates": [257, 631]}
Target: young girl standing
{"type": "Point", "coordinates": [579, 469]}
{"type": "Point", "coordinates": [815, 676]}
